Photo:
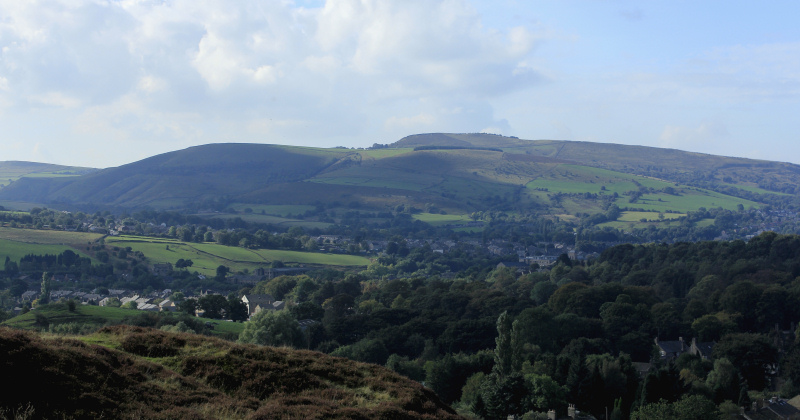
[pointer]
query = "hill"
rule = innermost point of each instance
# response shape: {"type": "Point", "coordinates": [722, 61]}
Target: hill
{"type": "Point", "coordinates": [455, 173]}
{"type": "Point", "coordinates": [134, 372]}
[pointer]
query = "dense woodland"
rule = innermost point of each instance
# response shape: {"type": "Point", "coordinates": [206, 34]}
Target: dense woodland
{"type": "Point", "coordinates": [493, 341]}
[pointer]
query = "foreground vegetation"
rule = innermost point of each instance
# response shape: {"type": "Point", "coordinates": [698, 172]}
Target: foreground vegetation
{"type": "Point", "coordinates": [123, 372]}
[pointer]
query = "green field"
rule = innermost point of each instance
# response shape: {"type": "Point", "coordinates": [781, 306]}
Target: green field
{"type": "Point", "coordinates": [100, 316]}
{"type": "Point", "coordinates": [16, 250]}
{"type": "Point", "coordinates": [383, 153]}
{"type": "Point", "coordinates": [49, 237]}
{"type": "Point", "coordinates": [583, 179]}
{"type": "Point", "coordinates": [273, 210]}
{"type": "Point", "coordinates": [12, 171]}
{"type": "Point", "coordinates": [208, 256]}
{"type": "Point", "coordinates": [271, 220]}
{"type": "Point", "coordinates": [434, 219]}
{"type": "Point", "coordinates": [16, 243]}
{"type": "Point", "coordinates": [635, 216]}
{"type": "Point", "coordinates": [572, 179]}
{"type": "Point", "coordinates": [693, 199]}
{"type": "Point", "coordinates": [755, 189]}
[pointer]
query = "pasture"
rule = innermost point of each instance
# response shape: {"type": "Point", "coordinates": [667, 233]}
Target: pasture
{"type": "Point", "coordinates": [270, 220]}
{"type": "Point", "coordinates": [16, 250]}
{"type": "Point", "coordinates": [692, 199]}
{"type": "Point", "coordinates": [635, 216]}
{"type": "Point", "coordinates": [434, 219]}
{"type": "Point", "coordinates": [281, 210]}
{"type": "Point", "coordinates": [47, 237]}
{"type": "Point", "coordinates": [206, 257]}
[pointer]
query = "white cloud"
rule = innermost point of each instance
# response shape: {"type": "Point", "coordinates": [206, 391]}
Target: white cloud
{"type": "Point", "coordinates": [55, 99]}
{"type": "Point", "coordinates": [182, 72]}
{"type": "Point", "coordinates": [699, 138]}
{"type": "Point", "coordinates": [419, 121]}
{"type": "Point", "coordinates": [150, 84]}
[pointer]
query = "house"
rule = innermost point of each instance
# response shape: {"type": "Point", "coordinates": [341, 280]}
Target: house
{"type": "Point", "coordinates": [306, 323]}
{"type": "Point", "coordinates": [519, 267]}
{"type": "Point", "coordinates": [168, 306]}
{"type": "Point", "coordinates": [256, 303]}
{"type": "Point", "coordinates": [773, 409]}
{"type": "Point", "coordinates": [701, 349]}
{"type": "Point", "coordinates": [88, 298]}
{"type": "Point", "coordinates": [30, 295]}
{"type": "Point", "coordinates": [670, 350]}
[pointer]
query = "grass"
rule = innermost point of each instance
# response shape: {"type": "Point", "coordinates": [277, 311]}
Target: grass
{"type": "Point", "coordinates": [16, 250]}
{"type": "Point", "coordinates": [208, 256]}
{"type": "Point", "coordinates": [574, 179]}
{"type": "Point", "coordinates": [635, 216]}
{"type": "Point", "coordinates": [274, 210]}
{"type": "Point", "coordinates": [434, 219]}
{"type": "Point", "coordinates": [691, 200]}
{"type": "Point", "coordinates": [51, 237]}
{"type": "Point", "coordinates": [272, 220]}
{"type": "Point", "coordinates": [584, 179]}
{"type": "Point", "coordinates": [755, 189]}
{"type": "Point", "coordinates": [102, 315]}
{"type": "Point", "coordinates": [384, 153]}
{"type": "Point", "coordinates": [16, 243]}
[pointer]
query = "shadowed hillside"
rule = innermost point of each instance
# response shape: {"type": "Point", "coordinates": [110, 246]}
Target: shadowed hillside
{"type": "Point", "coordinates": [459, 173]}
{"type": "Point", "coordinates": [133, 372]}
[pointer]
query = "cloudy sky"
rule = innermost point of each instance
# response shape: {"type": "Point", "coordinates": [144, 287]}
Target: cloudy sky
{"type": "Point", "coordinates": [106, 82]}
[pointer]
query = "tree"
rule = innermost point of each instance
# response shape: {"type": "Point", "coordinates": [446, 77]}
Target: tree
{"type": "Point", "coordinates": [545, 393]}
{"type": "Point", "coordinates": [188, 306]}
{"type": "Point", "coordinates": [44, 297]}
{"type": "Point", "coordinates": [504, 352]}
{"type": "Point", "coordinates": [273, 328]}
{"type": "Point", "coordinates": [753, 354]}
{"type": "Point", "coordinates": [181, 263]}
{"type": "Point", "coordinates": [692, 407]}
{"type": "Point", "coordinates": [237, 310]}
{"type": "Point", "coordinates": [724, 380]}
{"type": "Point", "coordinates": [213, 305]}
{"type": "Point", "coordinates": [222, 271]}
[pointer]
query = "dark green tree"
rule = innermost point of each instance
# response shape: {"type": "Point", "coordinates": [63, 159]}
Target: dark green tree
{"type": "Point", "coordinates": [213, 305]}
{"type": "Point", "coordinates": [44, 296]}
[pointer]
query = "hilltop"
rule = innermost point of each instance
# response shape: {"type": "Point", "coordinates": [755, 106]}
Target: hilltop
{"type": "Point", "coordinates": [456, 174]}
{"type": "Point", "coordinates": [127, 372]}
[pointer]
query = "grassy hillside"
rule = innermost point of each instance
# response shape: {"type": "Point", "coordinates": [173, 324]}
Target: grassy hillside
{"type": "Point", "coordinates": [127, 372]}
{"type": "Point", "coordinates": [11, 171]}
{"type": "Point", "coordinates": [457, 173]}
{"type": "Point", "coordinates": [16, 243]}
{"type": "Point", "coordinates": [745, 174]}
{"type": "Point", "coordinates": [208, 256]}
{"type": "Point", "coordinates": [177, 178]}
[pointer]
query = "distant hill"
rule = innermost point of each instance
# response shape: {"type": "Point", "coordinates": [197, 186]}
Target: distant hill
{"type": "Point", "coordinates": [134, 372]}
{"type": "Point", "coordinates": [457, 173]}
{"type": "Point", "coordinates": [12, 170]}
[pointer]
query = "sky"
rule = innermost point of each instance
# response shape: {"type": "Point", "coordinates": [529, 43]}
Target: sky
{"type": "Point", "coordinates": [101, 83]}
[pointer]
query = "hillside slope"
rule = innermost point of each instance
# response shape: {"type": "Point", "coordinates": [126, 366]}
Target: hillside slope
{"type": "Point", "coordinates": [133, 372]}
{"type": "Point", "coordinates": [671, 164]}
{"type": "Point", "coordinates": [460, 173]}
